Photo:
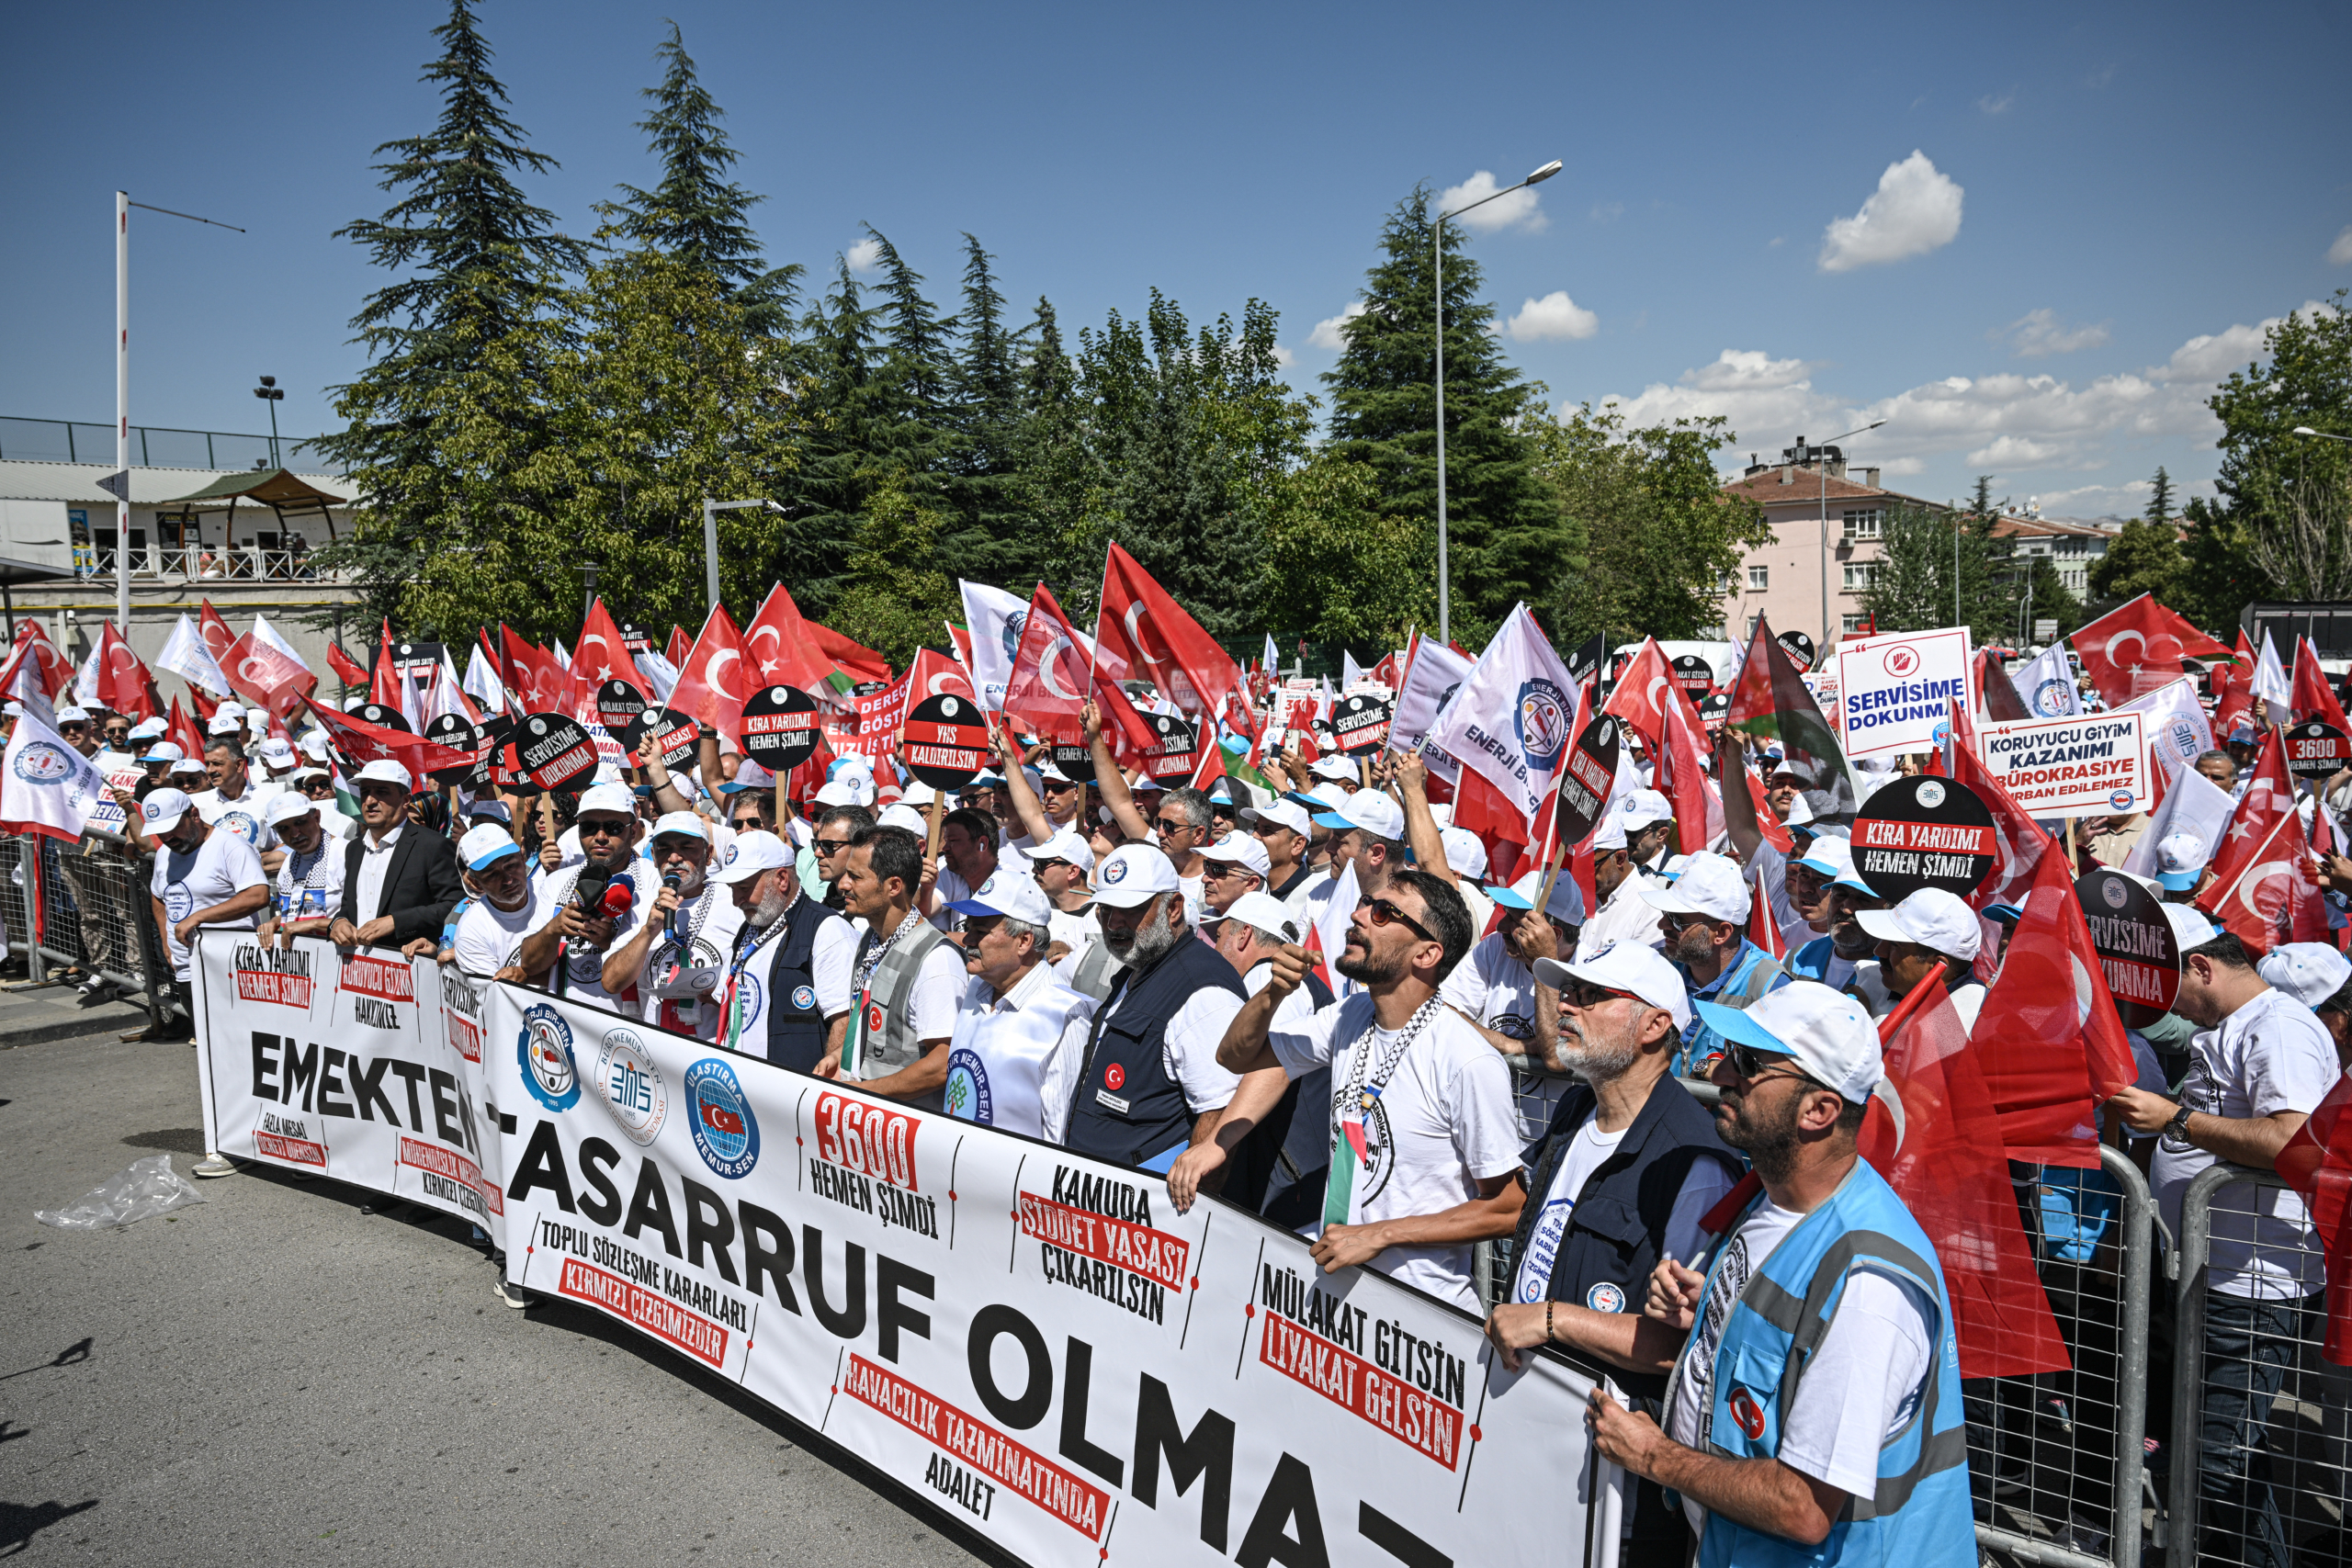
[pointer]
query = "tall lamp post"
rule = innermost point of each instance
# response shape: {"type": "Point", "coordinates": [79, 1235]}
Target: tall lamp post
{"type": "Point", "coordinates": [2324, 436]}
{"type": "Point", "coordinates": [1437, 249]}
{"type": "Point", "coordinates": [710, 510]}
{"type": "Point", "coordinates": [1826, 635]}
{"type": "Point", "coordinates": [270, 392]}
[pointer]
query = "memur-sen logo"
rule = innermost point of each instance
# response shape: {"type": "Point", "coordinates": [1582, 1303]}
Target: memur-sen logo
{"type": "Point", "coordinates": [386, 979]}
{"type": "Point", "coordinates": [870, 1139]}
{"type": "Point", "coordinates": [1095, 1234]}
{"type": "Point", "coordinates": [1068, 1499]}
{"type": "Point", "coordinates": [1410, 1387]}
{"type": "Point", "coordinates": [268, 974]}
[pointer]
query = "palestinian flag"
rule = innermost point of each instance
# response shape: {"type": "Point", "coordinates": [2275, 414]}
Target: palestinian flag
{"type": "Point", "coordinates": [1768, 698]}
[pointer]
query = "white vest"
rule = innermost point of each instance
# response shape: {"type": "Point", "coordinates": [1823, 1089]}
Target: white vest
{"type": "Point", "coordinates": [997, 1056]}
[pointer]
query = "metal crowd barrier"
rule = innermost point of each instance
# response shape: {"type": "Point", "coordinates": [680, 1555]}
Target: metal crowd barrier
{"type": "Point", "coordinates": [94, 908]}
{"type": "Point", "coordinates": [2261, 1401]}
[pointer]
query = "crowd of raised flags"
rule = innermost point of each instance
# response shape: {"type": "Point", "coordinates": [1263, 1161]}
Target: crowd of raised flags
{"type": "Point", "coordinates": [1169, 905]}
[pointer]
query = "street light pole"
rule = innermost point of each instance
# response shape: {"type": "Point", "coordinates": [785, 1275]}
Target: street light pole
{"type": "Point", "coordinates": [1437, 251]}
{"type": "Point", "coordinates": [270, 392]}
{"type": "Point", "coordinates": [710, 510]}
{"type": "Point", "coordinates": [1826, 635]}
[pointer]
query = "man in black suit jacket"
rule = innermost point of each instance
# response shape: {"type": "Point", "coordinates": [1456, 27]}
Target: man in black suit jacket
{"type": "Point", "coordinates": [400, 881]}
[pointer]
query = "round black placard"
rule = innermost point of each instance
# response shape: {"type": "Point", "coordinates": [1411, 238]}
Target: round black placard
{"type": "Point", "coordinates": [554, 750]}
{"type": "Point", "coordinates": [2314, 750]}
{"type": "Point", "coordinates": [1586, 781]}
{"type": "Point", "coordinates": [780, 729]}
{"type": "Point", "coordinates": [1924, 833]}
{"type": "Point", "coordinates": [1360, 724]}
{"type": "Point", "coordinates": [946, 742]}
{"type": "Point", "coordinates": [2134, 943]}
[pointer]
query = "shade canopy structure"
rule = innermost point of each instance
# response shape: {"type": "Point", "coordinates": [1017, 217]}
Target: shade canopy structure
{"type": "Point", "coordinates": [281, 491]}
{"type": "Point", "coordinates": [14, 574]}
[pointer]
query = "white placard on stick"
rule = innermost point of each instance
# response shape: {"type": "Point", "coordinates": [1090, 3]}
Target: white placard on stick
{"type": "Point", "coordinates": [1895, 692]}
{"type": "Point", "coordinates": [2093, 765]}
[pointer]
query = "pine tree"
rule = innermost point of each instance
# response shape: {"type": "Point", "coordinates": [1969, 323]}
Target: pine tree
{"type": "Point", "coordinates": [446, 413]}
{"type": "Point", "coordinates": [2159, 512]}
{"type": "Point", "coordinates": [911, 431]}
{"type": "Point", "coordinates": [836, 357]}
{"type": "Point", "coordinates": [696, 214]}
{"type": "Point", "coordinates": [987, 542]}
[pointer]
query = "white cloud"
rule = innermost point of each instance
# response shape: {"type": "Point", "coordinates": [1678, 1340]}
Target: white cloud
{"type": "Point", "coordinates": [864, 255]}
{"type": "Point", "coordinates": [1752, 389]}
{"type": "Point", "coordinates": [1914, 209]}
{"type": "Point", "coordinates": [2340, 253]}
{"type": "Point", "coordinates": [1520, 209]}
{"type": "Point", "coordinates": [1285, 357]}
{"type": "Point", "coordinates": [1610, 211]}
{"type": "Point", "coordinates": [1327, 332]}
{"type": "Point", "coordinates": [1553, 316]}
{"type": "Point", "coordinates": [2000, 105]}
{"type": "Point", "coordinates": [1903, 467]}
{"type": "Point", "coordinates": [2036, 335]}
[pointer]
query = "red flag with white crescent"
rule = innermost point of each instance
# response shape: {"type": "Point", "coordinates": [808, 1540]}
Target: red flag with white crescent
{"type": "Point", "coordinates": [125, 683]}
{"type": "Point", "coordinates": [778, 646]}
{"type": "Point", "coordinates": [216, 633]}
{"type": "Point", "coordinates": [712, 683]}
{"type": "Point", "coordinates": [262, 674]}
{"type": "Point", "coordinates": [2317, 1163]}
{"type": "Point", "coordinates": [2135, 650]}
{"type": "Point", "coordinates": [1142, 628]}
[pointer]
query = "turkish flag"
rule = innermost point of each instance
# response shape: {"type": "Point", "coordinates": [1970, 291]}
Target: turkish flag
{"type": "Point", "coordinates": [779, 646]}
{"type": "Point", "coordinates": [384, 680]}
{"type": "Point", "coordinates": [1948, 1166]}
{"type": "Point", "coordinates": [678, 647]}
{"type": "Point", "coordinates": [603, 653]}
{"type": "Point", "coordinates": [712, 682]}
{"type": "Point", "coordinates": [125, 683]}
{"type": "Point", "coordinates": [363, 743]}
{"type": "Point", "coordinates": [262, 674]}
{"type": "Point", "coordinates": [1681, 772]}
{"type": "Point", "coordinates": [2233, 690]}
{"type": "Point", "coordinates": [182, 732]}
{"type": "Point", "coordinates": [51, 669]}
{"type": "Point", "coordinates": [1642, 692]}
{"type": "Point", "coordinates": [1150, 635]}
{"type": "Point", "coordinates": [1052, 679]}
{"type": "Point", "coordinates": [2049, 1043]}
{"type": "Point", "coordinates": [2131, 650]}
{"type": "Point", "coordinates": [2312, 698]}
{"type": "Point", "coordinates": [852, 658]}
{"type": "Point", "coordinates": [218, 638]}
{"type": "Point", "coordinates": [532, 676]}
{"type": "Point", "coordinates": [2019, 839]}
{"type": "Point", "coordinates": [2262, 856]}
{"type": "Point", "coordinates": [2317, 1163]}
{"type": "Point", "coordinates": [346, 669]}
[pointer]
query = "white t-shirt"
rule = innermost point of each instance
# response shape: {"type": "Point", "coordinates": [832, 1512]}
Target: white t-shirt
{"type": "Point", "coordinates": [584, 966]}
{"type": "Point", "coordinates": [1188, 1048]}
{"type": "Point", "coordinates": [1702, 1189]}
{"type": "Point", "coordinates": [244, 816]}
{"type": "Point", "coordinates": [1623, 915]}
{"type": "Point", "coordinates": [1077, 931]}
{"type": "Point", "coordinates": [317, 890]}
{"type": "Point", "coordinates": [1862, 1384]}
{"type": "Point", "coordinates": [1306, 900]}
{"type": "Point", "coordinates": [1491, 987]}
{"type": "Point", "coordinates": [488, 939]}
{"type": "Point", "coordinates": [710, 920]}
{"type": "Point", "coordinates": [2271, 1054]}
{"type": "Point", "coordinates": [214, 872]}
{"type": "Point", "coordinates": [1442, 1123]}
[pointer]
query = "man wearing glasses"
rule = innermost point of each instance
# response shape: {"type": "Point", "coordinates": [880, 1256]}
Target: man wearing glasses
{"type": "Point", "coordinates": [1703, 914]}
{"type": "Point", "coordinates": [316, 786]}
{"type": "Point", "coordinates": [1424, 1137]}
{"type": "Point", "coordinates": [1813, 1406]}
{"type": "Point", "coordinates": [1624, 915]}
{"type": "Point", "coordinates": [1367, 833]}
{"type": "Point", "coordinates": [1230, 867]}
{"type": "Point", "coordinates": [787, 993]}
{"type": "Point", "coordinates": [1060, 867]}
{"type": "Point", "coordinates": [1179, 825]}
{"type": "Point", "coordinates": [1286, 832]}
{"type": "Point", "coordinates": [967, 858]}
{"type": "Point", "coordinates": [1020, 1033]}
{"type": "Point", "coordinates": [673, 955]}
{"type": "Point", "coordinates": [1931, 937]}
{"type": "Point", "coordinates": [837, 828]}
{"type": "Point", "coordinates": [580, 900]}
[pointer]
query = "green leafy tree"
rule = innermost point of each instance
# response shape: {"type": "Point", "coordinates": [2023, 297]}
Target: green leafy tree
{"type": "Point", "coordinates": [1335, 567]}
{"type": "Point", "coordinates": [1926, 551]}
{"type": "Point", "coordinates": [893, 597]}
{"type": "Point", "coordinates": [1658, 534]}
{"type": "Point", "coordinates": [989, 540]}
{"type": "Point", "coordinates": [2221, 574]}
{"type": "Point", "coordinates": [448, 409]}
{"type": "Point", "coordinates": [2142, 558]}
{"type": "Point", "coordinates": [2292, 494]}
{"type": "Point", "coordinates": [1506, 538]}
{"type": "Point", "coordinates": [696, 215]}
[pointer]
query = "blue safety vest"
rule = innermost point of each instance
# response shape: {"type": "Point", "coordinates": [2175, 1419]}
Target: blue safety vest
{"type": "Point", "coordinates": [1752, 974]}
{"type": "Point", "coordinates": [1919, 1515]}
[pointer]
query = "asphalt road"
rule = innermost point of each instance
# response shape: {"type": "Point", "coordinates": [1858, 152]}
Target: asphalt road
{"type": "Point", "coordinates": [274, 1376]}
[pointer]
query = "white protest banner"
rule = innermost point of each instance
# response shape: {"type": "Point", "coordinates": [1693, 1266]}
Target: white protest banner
{"type": "Point", "coordinates": [2094, 765]}
{"type": "Point", "coordinates": [366, 1068]}
{"type": "Point", "coordinates": [1894, 691]}
{"type": "Point", "coordinates": [1032, 1341]}
{"type": "Point", "coordinates": [1514, 717]}
{"type": "Point", "coordinates": [1437, 672]}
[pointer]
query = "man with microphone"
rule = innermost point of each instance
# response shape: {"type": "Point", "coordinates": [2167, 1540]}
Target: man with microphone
{"type": "Point", "coordinates": [671, 964]}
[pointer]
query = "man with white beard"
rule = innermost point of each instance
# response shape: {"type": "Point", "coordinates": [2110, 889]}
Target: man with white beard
{"type": "Point", "coordinates": [671, 965]}
{"type": "Point", "coordinates": [787, 993]}
{"type": "Point", "coordinates": [1629, 1167]}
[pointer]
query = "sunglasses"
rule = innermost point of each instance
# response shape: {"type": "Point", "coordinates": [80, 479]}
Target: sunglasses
{"type": "Point", "coordinates": [1582, 994]}
{"type": "Point", "coordinates": [1751, 1066]}
{"type": "Point", "coordinates": [1384, 913]}
{"type": "Point", "coordinates": [1220, 869]}
{"type": "Point", "coordinates": [605, 830]}
{"type": "Point", "coordinates": [1681, 922]}
{"type": "Point", "coordinates": [829, 846]}
{"type": "Point", "coordinates": [747, 824]}
{"type": "Point", "coordinates": [1167, 826]}
{"type": "Point", "coordinates": [1037, 864]}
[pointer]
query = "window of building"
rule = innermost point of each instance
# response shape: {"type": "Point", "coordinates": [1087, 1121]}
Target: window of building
{"type": "Point", "coordinates": [1852, 624]}
{"type": "Point", "coordinates": [1861, 525]}
{"type": "Point", "coordinates": [1754, 622]}
{"type": "Point", "coordinates": [1862, 576]}
{"type": "Point", "coordinates": [1759, 577]}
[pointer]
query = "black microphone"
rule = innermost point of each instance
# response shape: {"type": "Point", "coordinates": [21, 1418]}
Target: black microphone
{"type": "Point", "coordinates": [590, 888]}
{"type": "Point", "coordinates": [672, 881]}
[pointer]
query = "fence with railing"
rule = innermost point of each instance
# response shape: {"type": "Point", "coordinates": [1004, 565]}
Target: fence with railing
{"type": "Point", "coordinates": [94, 913]}
{"type": "Point", "coordinates": [208, 563]}
{"type": "Point", "coordinates": [157, 447]}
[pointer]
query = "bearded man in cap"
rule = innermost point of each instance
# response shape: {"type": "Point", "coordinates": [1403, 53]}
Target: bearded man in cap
{"type": "Point", "coordinates": [1703, 913]}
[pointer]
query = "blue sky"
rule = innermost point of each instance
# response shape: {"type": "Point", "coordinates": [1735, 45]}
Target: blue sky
{"type": "Point", "coordinates": [2030, 236]}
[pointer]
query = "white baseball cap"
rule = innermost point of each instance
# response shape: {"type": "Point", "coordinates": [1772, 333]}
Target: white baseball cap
{"type": "Point", "coordinates": [164, 751]}
{"type": "Point", "coordinates": [1069, 844]}
{"type": "Point", "coordinates": [72, 714]}
{"type": "Point", "coordinates": [1327, 793]}
{"type": "Point", "coordinates": [1645, 808]}
{"type": "Point", "coordinates": [1566, 904]}
{"type": "Point", "coordinates": [1340, 769]}
{"type": "Point", "coordinates": [1828, 854]}
{"type": "Point", "coordinates": [1134, 874]}
{"type": "Point", "coordinates": [748, 775]}
{"type": "Point", "coordinates": [230, 710]}
{"type": "Point", "coordinates": [896, 815]}
{"type": "Point", "coordinates": [1632, 966]}
{"type": "Point", "coordinates": [1826, 1032]}
{"type": "Point", "coordinates": [314, 745]}
{"type": "Point", "coordinates": [383, 771]}
{"type": "Point", "coordinates": [285, 808]}
{"type": "Point", "coordinates": [1710, 885]}
{"type": "Point", "coordinates": [1463, 852]}
{"type": "Point", "coordinates": [679, 824]}
{"type": "Point", "coordinates": [749, 853]}
{"type": "Point", "coordinates": [2180, 859]}
{"type": "Point", "coordinates": [482, 846]}
{"type": "Point", "coordinates": [148, 728]}
{"type": "Point", "coordinates": [615, 799]}
{"type": "Point", "coordinates": [2189, 926]}
{"type": "Point", "coordinates": [1279, 813]}
{"type": "Point", "coordinates": [1011, 894]}
{"type": "Point", "coordinates": [276, 749]}
{"type": "Point", "coordinates": [847, 789]}
{"type": "Point", "coordinates": [162, 809]}
{"type": "Point", "coordinates": [299, 774]}
{"type": "Point", "coordinates": [2311, 971]}
{"type": "Point", "coordinates": [221, 724]}
{"type": "Point", "coordinates": [486, 806]}
{"type": "Point", "coordinates": [188, 765]}
{"type": "Point", "coordinates": [1370, 810]}
{"type": "Point", "coordinates": [1240, 848]}
{"type": "Point", "coordinates": [1266, 912]}
{"type": "Point", "coordinates": [1931, 918]}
